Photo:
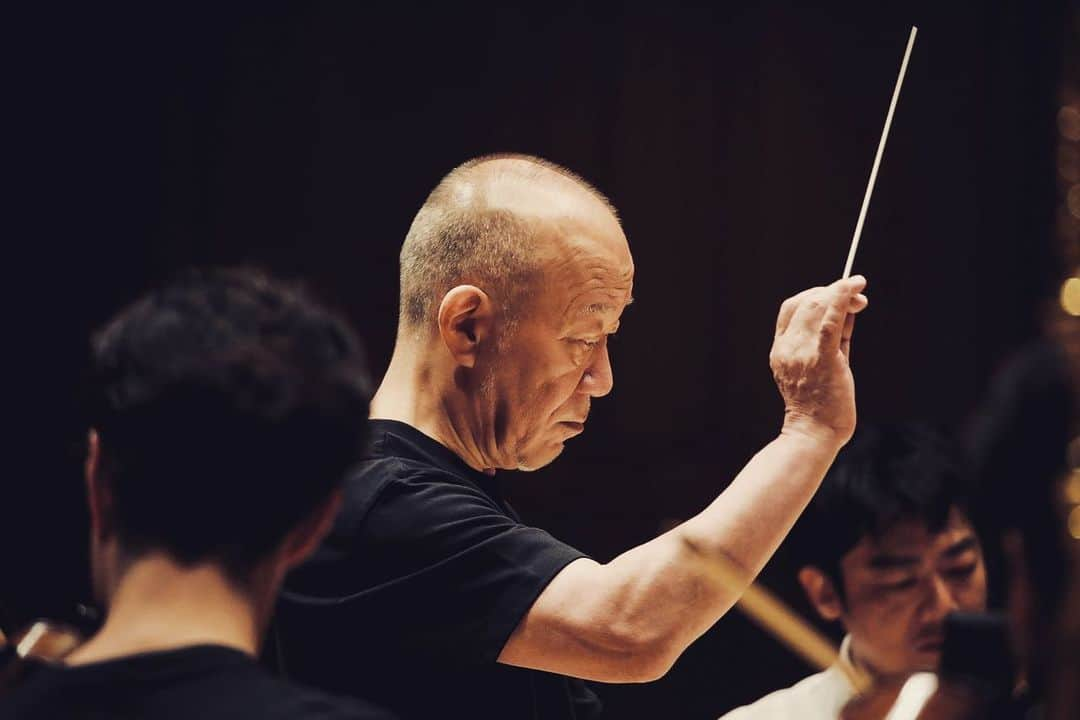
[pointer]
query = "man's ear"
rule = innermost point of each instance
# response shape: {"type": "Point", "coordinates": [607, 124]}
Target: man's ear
{"type": "Point", "coordinates": [466, 319]}
{"type": "Point", "coordinates": [98, 493]}
{"type": "Point", "coordinates": [821, 592]}
{"type": "Point", "coordinates": [304, 539]}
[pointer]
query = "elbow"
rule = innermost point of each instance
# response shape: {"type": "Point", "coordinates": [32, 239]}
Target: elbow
{"type": "Point", "coordinates": [643, 660]}
{"type": "Point", "coordinates": [653, 667]}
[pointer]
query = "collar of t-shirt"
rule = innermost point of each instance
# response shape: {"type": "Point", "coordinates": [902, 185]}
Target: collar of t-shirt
{"type": "Point", "coordinates": [845, 664]}
{"type": "Point", "coordinates": [395, 438]}
{"type": "Point", "coordinates": [146, 666]}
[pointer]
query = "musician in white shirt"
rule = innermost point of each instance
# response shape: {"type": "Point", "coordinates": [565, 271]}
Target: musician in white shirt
{"type": "Point", "coordinates": [886, 549]}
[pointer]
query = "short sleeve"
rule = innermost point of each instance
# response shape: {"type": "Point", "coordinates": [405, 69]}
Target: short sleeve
{"type": "Point", "coordinates": [430, 569]}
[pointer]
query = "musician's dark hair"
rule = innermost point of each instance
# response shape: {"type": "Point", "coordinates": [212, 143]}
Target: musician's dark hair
{"type": "Point", "coordinates": [888, 473]}
{"type": "Point", "coordinates": [228, 405]}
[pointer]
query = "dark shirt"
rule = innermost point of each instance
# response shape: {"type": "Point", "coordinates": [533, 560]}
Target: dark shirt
{"type": "Point", "coordinates": [209, 682]}
{"type": "Point", "coordinates": [415, 592]}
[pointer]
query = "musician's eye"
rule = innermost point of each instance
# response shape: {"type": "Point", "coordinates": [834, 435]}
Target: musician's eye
{"type": "Point", "coordinates": [960, 572]}
{"type": "Point", "coordinates": [900, 585]}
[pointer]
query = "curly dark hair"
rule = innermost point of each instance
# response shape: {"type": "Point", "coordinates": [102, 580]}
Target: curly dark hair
{"type": "Point", "coordinates": [228, 406]}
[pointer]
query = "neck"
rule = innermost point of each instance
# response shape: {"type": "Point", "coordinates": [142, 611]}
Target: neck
{"type": "Point", "coordinates": [857, 660]}
{"type": "Point", "coordinates": [158, 604]}
{"type": "Point", "coordinates": [419, 390]}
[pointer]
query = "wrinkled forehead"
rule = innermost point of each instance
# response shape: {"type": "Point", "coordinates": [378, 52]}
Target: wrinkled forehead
{"type": "Point", "coordinates": [589, 276]}
{"type": "Point", "coordinates": [586, 264]}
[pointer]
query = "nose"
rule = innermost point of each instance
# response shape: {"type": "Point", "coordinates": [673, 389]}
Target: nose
{"type": "Point", "coordinates": [939, 601]}
{"type": "Point", "coordinates": [598, 379]}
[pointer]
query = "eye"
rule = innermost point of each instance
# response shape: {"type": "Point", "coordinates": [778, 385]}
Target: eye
{"type": "Point", "coordinates": [588, 344]}
{"type": "Point", "coordinates": [961, 572]}
{"type": "Point", "coordinates": [900, 585]}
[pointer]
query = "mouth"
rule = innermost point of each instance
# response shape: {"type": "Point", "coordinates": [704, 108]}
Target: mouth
{"type": "Point", "coordinates": [577, 427]}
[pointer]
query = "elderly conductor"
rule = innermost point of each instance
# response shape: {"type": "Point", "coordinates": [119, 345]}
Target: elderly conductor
{"type": "Point", "coordinates": [430, 596]}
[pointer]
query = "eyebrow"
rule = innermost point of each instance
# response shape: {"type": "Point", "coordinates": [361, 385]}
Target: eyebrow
{"type": "Point", "coordinates": [598, 308]}
{"type": "Point", "coordinates": [961, 546]}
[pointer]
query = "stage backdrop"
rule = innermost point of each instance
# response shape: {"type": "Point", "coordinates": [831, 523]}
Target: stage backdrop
{"type": "Point", "coordinates": [734, 138]}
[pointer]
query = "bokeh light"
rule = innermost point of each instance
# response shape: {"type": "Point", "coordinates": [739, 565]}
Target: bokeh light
{"type": "Point", "coordinates": [1072, 488]}
{"type": "Point", "coordinates": [1070, 296]}
{"type": "Point", "coordinates": [1068, 121]}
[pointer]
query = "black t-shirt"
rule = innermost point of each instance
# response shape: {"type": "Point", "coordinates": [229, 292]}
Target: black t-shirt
{"type": "Point", "coordinates": [415, 592]}
{"type": "Point", "coordinates": [209, 682]}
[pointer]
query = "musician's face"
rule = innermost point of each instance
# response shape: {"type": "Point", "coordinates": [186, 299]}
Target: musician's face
{"type": "Point", "coordinates": [899, 587]}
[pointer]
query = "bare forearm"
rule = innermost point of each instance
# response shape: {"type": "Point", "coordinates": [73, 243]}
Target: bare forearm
{"type": "Point", "coordinates": [672, 589]}
{"type": "Point", "coordinates": [748, 521]}
{"type": "Point", "coordinates": [631, 618]}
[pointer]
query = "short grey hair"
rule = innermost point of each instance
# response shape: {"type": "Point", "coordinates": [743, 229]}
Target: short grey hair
{"type": "Point", "coordinates": [457, 238]}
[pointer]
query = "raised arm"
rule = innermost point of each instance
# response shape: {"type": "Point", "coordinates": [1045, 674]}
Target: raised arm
{"type": "Point", "coordinates": [630, 619]}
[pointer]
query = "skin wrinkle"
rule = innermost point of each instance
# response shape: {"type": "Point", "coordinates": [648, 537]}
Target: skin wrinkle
{"type": "Point", "coordinates": [454, 431]}
{"type": "Point", "coordinates": [592, 273]}
{"type": "Point", "coordinates": [597, 308]}
{"type": "Point", "coordinates": [599, 281]}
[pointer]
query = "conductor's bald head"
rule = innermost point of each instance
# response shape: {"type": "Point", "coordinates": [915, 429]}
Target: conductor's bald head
{"type": "Point", "coordinates": [493, 222]}
{"type": "Point", "coordinates": [513, 275]}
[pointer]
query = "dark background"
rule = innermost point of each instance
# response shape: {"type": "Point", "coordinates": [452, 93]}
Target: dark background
{"type": "Point", "coordinates": [735, 139]}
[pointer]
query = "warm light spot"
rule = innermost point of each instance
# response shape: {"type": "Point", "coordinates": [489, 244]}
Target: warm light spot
{"type": "Point", "coordinates": [1070, 296]}
{"type": "Point", "coordinates": [1072, 200]}
{"type": "Point", "coordinates": [1072, 488]}
{"type": "Point", "coordinates": [1074, 522]}
{"type": "Point", "coordinates": [1068, 121]}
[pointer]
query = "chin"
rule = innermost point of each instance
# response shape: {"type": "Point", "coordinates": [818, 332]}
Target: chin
{"type": "Point", "coordinates": [537, 460]}
{"type": "Point", "coordinates": [926, 662]}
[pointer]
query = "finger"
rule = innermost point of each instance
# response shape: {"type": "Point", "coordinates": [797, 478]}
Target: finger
{"type": "Point", "coordinates": [834, 317]}
{"type": "Point", "coordinates": [845, 337]}
{"type": "Point", "coordinates": [858, 303]}
{"type": "Point", "coordinates": [852, 285]}
{"type": "Point", "coordinates": [787, 310]}
{"type": "Point", "coordinates": [807, 309]}
{"type": "Point", "coordinates": [806, 322]}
